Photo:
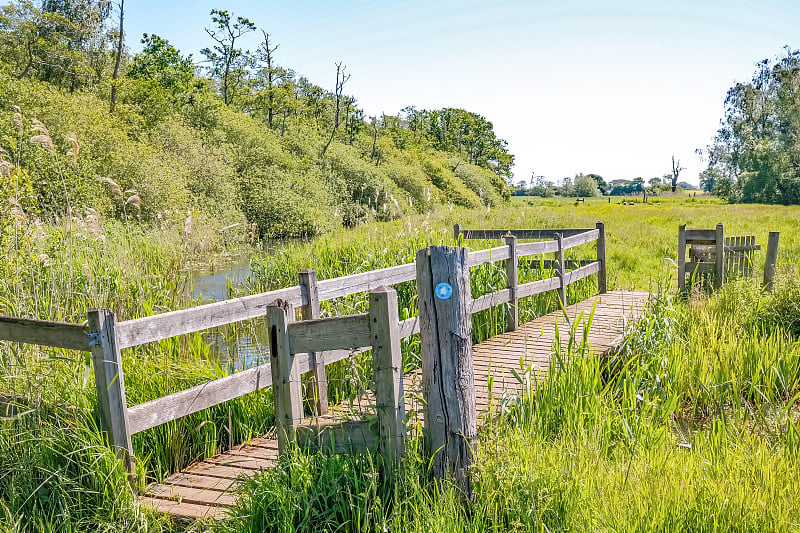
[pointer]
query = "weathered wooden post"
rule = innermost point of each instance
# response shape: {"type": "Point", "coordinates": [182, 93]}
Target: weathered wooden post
{"type": "Point", "coordinates": [771, 262]}
{"type": "Point", "coordinates": [319, 383]}
{"type": "Point", "coordinates": [562, 271]}
{"type": "Point", "coordinates": [456, 232]}
{"type": "Point", "coordinates": [387, 361]}
{"type": "Point", "coordinates": [602, 283]}
{"type": "Point", "coordinates": [447, 370]}
{"type": "Point", "coordinates": [719, 267]}
{"type": "Point", "coordinates": [110, 381]}
{"type": "Point", "coordinates": [682, 257]}
{"type": "Point", "coordinates": [285, 374]}
{"type": "Point", "coordinates": [512, 315]}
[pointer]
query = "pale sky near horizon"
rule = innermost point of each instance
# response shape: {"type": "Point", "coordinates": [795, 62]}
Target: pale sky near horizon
{"type": "Point", "coordinates": [610, 87]}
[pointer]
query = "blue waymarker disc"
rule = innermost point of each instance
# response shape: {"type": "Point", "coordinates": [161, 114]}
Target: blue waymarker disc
{"type": "Point", "coordinates": [443, 291]}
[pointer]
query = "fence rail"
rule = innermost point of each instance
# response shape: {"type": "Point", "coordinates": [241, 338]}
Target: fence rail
{"type": "Point", "coordinates": [300, 347]}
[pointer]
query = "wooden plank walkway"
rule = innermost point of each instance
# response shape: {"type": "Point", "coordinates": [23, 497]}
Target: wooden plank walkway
{"type": "Point", "coordinates": [204, 489]}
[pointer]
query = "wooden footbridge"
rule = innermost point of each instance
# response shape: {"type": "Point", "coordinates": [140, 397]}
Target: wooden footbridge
{"type": "Point", "coordinates": [457, 381]}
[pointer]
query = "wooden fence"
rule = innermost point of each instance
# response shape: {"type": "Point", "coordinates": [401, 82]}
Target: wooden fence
{"type": "Point", "coordinates": [716, 258]}
{"type": "Point", "coordinates": [297, 347]}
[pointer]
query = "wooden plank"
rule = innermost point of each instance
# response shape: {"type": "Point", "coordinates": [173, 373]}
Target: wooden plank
{"type": "Point", "coordinates": [520, 234]}
{"type": "Point", "coordinates": [44, 333]}
{"type": "Point", "coordinates": [157, 327]}
{"type": "Point", "coordinates": [197, 496]}
{"type": "Point", "coordinates": [349, 436]}
{"type": "Point", "coordinates": [719, 270]}
{"type": "Point", "coordinates": [481, 303]}
{"type": "Point", "coordinates": [582, 238]}
{"type": "Point", "coordinates": [538, 287]}
{"type": "Point", "coordinates": [409, 327]}
{"type": "Point", "coordinates": [311, 311]}
{"type": "Point", "coordinates": [582, 272]}
{"type": "Point", "coordinates": [526, 249]}
{"type": "Point", "coordinates": [184, 510]}
{"type": "Point", "coordinates": [447, 372]}
{"type": "Point", "coordinates": [285, 374]}
{"type": "Point", "coordinates": [366, 281]}
{"type": "Point", "coordinates": [562, 271]}
{"type": "Point", "coordinates": [238, 461]}
{"type": "Point", "coordinates": [701, 235]}
{"type": "Point", "coordinates": [109, 381]}
{"type": "Point", "coordinates": [488, 255]}
{"type": "Point", "coordinates": [387, 361]}
{"type": "Point", "coordinates": [694, 267]}
{"type": "Point", "coordinates": [229, 473]}
{"type": "Point", "coordinates": [512, 280]}
{"type": "Point", "coordinates": [185, 479]}
{"type": "Point", "coordinates": [161, 410]}
{"type": "Point", "coordinates": [335, 333]}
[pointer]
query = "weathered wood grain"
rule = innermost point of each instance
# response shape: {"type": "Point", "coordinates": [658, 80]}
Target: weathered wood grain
{"type": "Point", "coordinates": [285, 374]}
{"type": "Point", "coordinates": [334, 333]}
{"type": "Point", "coordinates": [682, 257]}
{"type": "Point", "coordinates": [447, 373]}
{"type": "Point", "coordinates": [537, 287]}
{"type": "Point", "coordinates": [480, 257]}
{"type": "Point", "coordinates": [582, 272]}
{"type": "Point", "coordinates": [602, 284]}
{"type": "Point", "coordinates": [771, 261]}
{"type": "Point", "coordinates": [366, 281]}
{"type": "Point", "coordinates": [700, 235]}
{"type": "Point", "coordinates": [719, 270]}
{"type": "Point", "coordinates": [157, 327]}
{"type": "Point", "coordinates": [582, 238]}
{"type": "Point", "coordinates": [44, 333]}
{"type": "Point", "coordinates": [521, 234]}
{"type": "Point", "coordinates": [562, 271]}
{"type": "Point", "coordinates": [525, 249]}
{"type": "Point", "coordinates": [512, 316]}
{"type": "Point", "coordinates": [481, 303]}
{"type": "Point", "coordinates": [310, 311]}
{"type": "Point", "coordinates": [161, 410]}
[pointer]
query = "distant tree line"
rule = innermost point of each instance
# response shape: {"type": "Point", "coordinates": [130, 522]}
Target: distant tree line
{"type": "Point", "coordinates": [589, 185]}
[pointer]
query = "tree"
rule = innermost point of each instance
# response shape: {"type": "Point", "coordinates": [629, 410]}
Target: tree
{"type": "Point", "coordinates": [676, 171]}
{"type": "Point", "coordinates": [269, 75]}
{"type": "Point", "coordinates": [162, 63]}
{"type": "Point", "coordinates": [586, 186]}
{"type": "Point", "coordinates": [227, 61]}
{"type": "Point", "coordinates": [341, 79]}
{"type": "Point", "coordinates": [119, 56]}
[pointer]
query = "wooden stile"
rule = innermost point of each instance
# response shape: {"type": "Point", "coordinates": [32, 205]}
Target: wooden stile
{"type": "Point", "coordinates": [771, 262]}
{"type": "Point", "coordinates": [110, 381]}
{"type": "Point", "coordinates": [285, 374]}
{"type": "Point", "coordinates": [512, 315]}
{"type": "Point", "coordinates": [387, 361]}
{"type": "Point", "coordinates": [310, 311]}
{"type": "Point", "coordinates": [447, 367]}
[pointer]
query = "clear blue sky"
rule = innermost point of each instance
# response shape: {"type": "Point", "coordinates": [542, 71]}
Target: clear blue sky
{"type": "Point", "coordinates": [612, 87]}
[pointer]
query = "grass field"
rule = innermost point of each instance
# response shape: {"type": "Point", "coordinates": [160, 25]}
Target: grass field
{"type": "Point", "coordinates": [694, 427]}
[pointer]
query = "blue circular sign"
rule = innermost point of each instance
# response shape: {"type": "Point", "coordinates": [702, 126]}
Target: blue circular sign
{"type": "Point", "coordinates": [443, 291]}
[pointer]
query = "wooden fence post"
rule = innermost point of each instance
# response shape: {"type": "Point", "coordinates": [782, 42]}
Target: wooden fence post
{"type": "Point", "coordinates": [682, 257]}
{"type": "Point", "coordinates": [456, 232]}
{"type": "Point", "coordinates": [602, 282]}
{"type": "Point", "coordinates": [447, 369]}
{"type": "Point", "coordinates": [512, 316]}
{"type": "Point", "coordinates": [319, 384]}
{"type": "Point", "coordinates": [771, 262]}
{"type": "Point", "coordinates": [562, 271]}
{"type": "Point", "coordinates": [285, 374]}
{"type": "Point", "coordinates": [387, 361]}
{"type": "Point", "coordinates": [110, 381]}
{"type": "Point", "coordinates": [719, 269]}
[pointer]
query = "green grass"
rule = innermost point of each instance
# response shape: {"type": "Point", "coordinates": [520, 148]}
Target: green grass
{"type": "Point", "coordinates": [718, 373]}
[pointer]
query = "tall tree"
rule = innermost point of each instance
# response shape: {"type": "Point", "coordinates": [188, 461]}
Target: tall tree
{"type": "Point", "coordinates": [341, 79]}
{"type": "Point", "coordinates": [676, 171]}
{"type": "Point", "coordinates": [226, 59]}
{"type": "Point", "coordinates": [269, 76]}
{"type": "Point", "coordinates": [119, 56]}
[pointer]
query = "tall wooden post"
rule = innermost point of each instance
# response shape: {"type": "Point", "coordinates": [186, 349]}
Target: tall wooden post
{"type": "Point", "coordinates": [447, 370]}
{"type": "Point", "coordinates": [719, 267]}
{"type": "Point", "coordinates": [456, 232]}
{"type": "Point", "coordinates": [512, 316]}
{"type": "Point", "coordinates": [682, 257]}
{"type": "Point", "coordinates": [387, 361]}
{"type": "Point", "coordinates": [110, 381]}
{"type": "Point", "coordinates": [602, 282]}
{"type": "Point", "coordinates": [285, 375]}
{"type": "Point", "coordinates": [319, 383]}
{"type": "Point", "coordinates": [771, 262]}
{"type": "Point", "coordinates": [562, 271]}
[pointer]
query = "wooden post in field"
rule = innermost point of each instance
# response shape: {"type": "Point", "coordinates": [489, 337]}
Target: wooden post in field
{"type": "Point", "coordinates": [682, 257]}
{"type": "Point", "coordinates": [562, 271]}
{"type": "Point", "coordinates": [456, 232]}
{"type": "Point", "coordinates": [447, 370]}
{"type": "Point", "coordinates": [719, 268]}
{"type": "Point", "coordinates": [387, 361]}
{"type": "Point", "coordinates": [110, 381]}
{"type": "Point", "coordinates": [285, 374]}
{"type": "Point", "coordinates": [512, 316]}
{"type": "Point", "coordinates": [602, 283]}
{"type": "Point", "coordinates": [771, 262]}
{"type": "Point", "coordinates": [319, 384]}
